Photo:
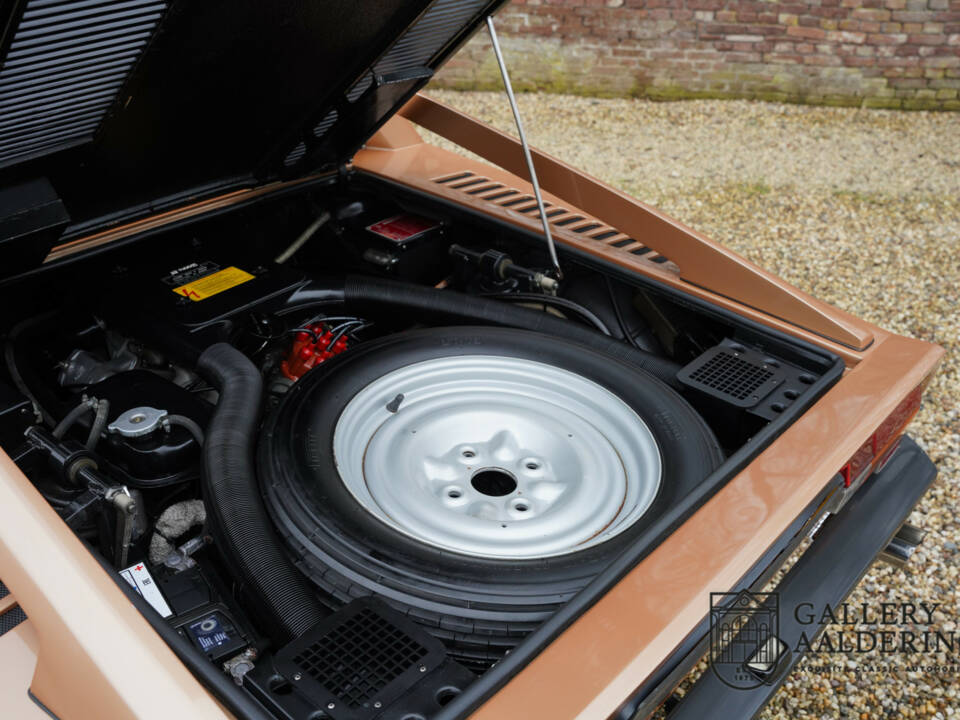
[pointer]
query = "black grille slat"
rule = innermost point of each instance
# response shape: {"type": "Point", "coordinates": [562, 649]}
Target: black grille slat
{"type": "Point", "coordinates": [10, 619]}
{"type": "Point", "coordinates": [429, 35]}
{"type": "Point", "coordinates": [66, 63]}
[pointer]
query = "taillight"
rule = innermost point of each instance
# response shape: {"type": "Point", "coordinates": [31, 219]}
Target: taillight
{"type": "Point", "coordinates": [875, 452]}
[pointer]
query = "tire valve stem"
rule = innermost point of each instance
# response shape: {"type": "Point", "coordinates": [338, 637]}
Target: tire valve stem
{"type": "Point", "coordinates": [394, 405]}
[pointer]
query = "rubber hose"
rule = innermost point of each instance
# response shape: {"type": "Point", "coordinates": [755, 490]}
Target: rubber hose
{"type": "Point", "coordinates": [71, 417]}
{"type": "Point", "coordinates": [360, 293]}
{"type": "Point", "coordinates": [99, 423]}
{"type": "Point", "coordinates": [189, 425]}
{"type": "Point", "coordinates": [238, 520]}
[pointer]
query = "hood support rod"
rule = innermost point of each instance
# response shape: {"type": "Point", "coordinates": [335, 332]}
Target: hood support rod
{"type": "Point", "coordinates": [526, 148]}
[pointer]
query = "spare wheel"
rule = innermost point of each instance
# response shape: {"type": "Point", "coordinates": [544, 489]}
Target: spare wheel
{"type": "Point", "coordinates": [474, 477]}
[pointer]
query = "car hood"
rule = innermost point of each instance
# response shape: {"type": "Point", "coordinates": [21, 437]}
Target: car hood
{"type": "Point", "coordinates": [127, 107]}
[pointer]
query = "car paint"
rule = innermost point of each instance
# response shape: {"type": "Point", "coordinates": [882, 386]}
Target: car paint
{"type": "Point", "coordinates": [94, 654]}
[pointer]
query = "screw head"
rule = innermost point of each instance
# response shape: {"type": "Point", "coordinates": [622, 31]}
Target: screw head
{"type": "Point", "coordinates": [297, 676]}
{"type": "Point", "coordinates": [423, 668]}
{"type": "Point", "coordinates": [378, 704]}
{"type": "Point", "coordinates": [331, 706]}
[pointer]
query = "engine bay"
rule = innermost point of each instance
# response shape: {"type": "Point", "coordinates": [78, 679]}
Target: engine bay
{"type": "Point", "coordinates": [355, 447]}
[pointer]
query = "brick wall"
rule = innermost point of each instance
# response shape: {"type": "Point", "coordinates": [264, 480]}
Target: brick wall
{"type": "Point", "coordinates": [879, 53]}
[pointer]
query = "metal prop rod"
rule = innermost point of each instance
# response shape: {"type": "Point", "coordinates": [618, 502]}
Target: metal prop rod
{"type": "Point", "coordinates": [523, 144]}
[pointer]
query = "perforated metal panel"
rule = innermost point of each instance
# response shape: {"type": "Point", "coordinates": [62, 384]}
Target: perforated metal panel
{"type": "Point", "coordinates": [362, 655]}
{"type": "Point", "coordinates": [727, 374]}
{"type": "Point", "coordinates": [10, 619]}
{"type": "Point", "coordinates": [742, 376]}
{"type": "Point", "coordinates": [64, 67]}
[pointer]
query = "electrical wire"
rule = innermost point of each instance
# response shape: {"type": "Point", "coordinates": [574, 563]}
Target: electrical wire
{"type": "Point", "coordinates": [616, 311]}
{"type": "Point", "coordinates": [555, 301]}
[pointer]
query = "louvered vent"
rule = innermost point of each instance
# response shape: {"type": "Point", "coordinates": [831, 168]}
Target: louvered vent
{"type": "Point", "coordinates": [295, 154]}
{"type": "Point", "coordinates": [429, 35]}
{"type": "Point", "coordinates": [66, 63]}
{"type": "Point", "coordinates": [498, 194]}
{"type": "Point", "coordinates": [359, 87]}
{"type": "Point", "coordinates": [321, 128]}
{"type": "Point", "coordinates": [420, 46]}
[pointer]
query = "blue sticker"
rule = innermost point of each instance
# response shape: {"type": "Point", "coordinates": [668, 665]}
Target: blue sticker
{"type": "Point", "coordinates": [208, 633]}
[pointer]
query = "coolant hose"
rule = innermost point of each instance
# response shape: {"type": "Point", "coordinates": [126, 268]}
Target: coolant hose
{"type": "Point", "coordinates": [237, 518]}
{"type": "Point", "coordinates": [362, 293]}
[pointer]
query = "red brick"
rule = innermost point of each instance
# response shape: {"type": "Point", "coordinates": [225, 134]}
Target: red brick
{"type": "Point", "coordinates": [928, 39]}
{"type": "Point", "coordinates": [805, 32]}
{"type": "Point", "coordinates": [822, 60]}
{"type": "Point", "coordinates": [854, 61]}
{"type": "Point", "coordinates": [909, 16]}
{"type": "Point", "coordinates": [880, 39]}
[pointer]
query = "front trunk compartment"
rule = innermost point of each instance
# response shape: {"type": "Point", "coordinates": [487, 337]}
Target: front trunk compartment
{"type": "Point", "coordinates": [298, 287]}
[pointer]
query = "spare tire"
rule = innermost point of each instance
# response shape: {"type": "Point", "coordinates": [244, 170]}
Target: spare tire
{"type": "Point", "coordinates": [475, 478]}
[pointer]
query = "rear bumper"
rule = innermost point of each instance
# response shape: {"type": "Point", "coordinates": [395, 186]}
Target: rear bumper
{"type": "Point", "coordinates": [842, 551]}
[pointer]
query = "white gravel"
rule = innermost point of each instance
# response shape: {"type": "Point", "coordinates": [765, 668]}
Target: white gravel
{"type": "Point", "coordinates": [862, 209]}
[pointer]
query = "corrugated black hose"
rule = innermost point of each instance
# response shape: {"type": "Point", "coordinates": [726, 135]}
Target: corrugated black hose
{"type": "Point", "coordinates": [361, 293]}
{"type": "Point", "coordinates": [235, 512]}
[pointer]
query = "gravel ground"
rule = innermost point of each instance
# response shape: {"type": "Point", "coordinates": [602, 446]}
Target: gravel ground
{"type": "Point", "coordinates": [858, 207]}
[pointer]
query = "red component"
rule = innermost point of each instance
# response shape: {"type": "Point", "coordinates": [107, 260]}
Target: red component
{"type": "Point", "coordinates": [309, 349]}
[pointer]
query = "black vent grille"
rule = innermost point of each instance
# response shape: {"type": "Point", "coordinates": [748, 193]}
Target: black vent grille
{"type": "Point", "coordinates": [10, 619]}
{"type": "Point", "coordinates": [429, 35]}
{"type": "Point", "coordinates": [3, 590]}
{"type": "Point", "coordinates": [361, 655]}
{"type": "Point", "coordinates": [726, 373]}
{"type": "Point", "coordinates": [65, 64]}
{"type": "Point", "coordinates": [422, 45]}
{"type": "Point", "coordinates": [359, 658]}
{"type": "Point", "coordinates": [740, 376]}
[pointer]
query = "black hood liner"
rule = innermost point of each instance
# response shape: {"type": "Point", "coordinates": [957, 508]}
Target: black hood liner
{"type": "Point", "coordinates": [184, 99]}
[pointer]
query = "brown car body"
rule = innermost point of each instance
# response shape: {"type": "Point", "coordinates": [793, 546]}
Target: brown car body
{"type": "Point", "coordinates": [85, 650]}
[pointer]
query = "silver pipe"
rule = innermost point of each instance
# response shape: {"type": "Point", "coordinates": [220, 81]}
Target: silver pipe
{"type": "Point", "coordinates": [523, 144]}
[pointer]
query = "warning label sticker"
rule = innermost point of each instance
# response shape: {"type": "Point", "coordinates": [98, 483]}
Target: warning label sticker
{"type": "Point", "coordinates": [139, 579]}
{"type": "Point", "coordinates": [210, 285]}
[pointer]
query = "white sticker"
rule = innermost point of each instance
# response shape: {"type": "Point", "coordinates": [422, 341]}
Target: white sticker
{"type": "Point", "coordinates": [140, 580]}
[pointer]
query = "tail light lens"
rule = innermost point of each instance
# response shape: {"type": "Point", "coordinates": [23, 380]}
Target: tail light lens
{"type": "Point", "coordinates": [882, 444]}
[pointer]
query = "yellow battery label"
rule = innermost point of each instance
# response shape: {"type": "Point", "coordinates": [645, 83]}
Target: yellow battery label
{"type": "Point", "coordinates": [213, 283]}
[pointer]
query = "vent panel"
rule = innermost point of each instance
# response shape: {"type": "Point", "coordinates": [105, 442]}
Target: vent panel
{"type": "Point", "coordinates": [727, 374]}
{"type": "Point", "coordinates": [472, 184]}
{"type": "Point", "coordinates": [429, 35]}
{"type": "Point", "coordinates": [64, 67]}
{"type": "Point", "coordinates": [360, 659]}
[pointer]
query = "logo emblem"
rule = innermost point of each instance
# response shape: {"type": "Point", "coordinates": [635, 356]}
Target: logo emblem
{"type": "Point", "coordinates": [744, 647]}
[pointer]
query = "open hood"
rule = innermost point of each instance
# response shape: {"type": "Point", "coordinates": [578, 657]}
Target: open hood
{"type": "Point", "coordinates": [126, 106]}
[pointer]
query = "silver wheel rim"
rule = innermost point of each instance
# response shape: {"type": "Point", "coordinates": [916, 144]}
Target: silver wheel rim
{"type": "Point", "coordinates": [497, 457]}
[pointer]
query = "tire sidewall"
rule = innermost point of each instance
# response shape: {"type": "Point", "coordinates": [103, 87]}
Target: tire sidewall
{"type": "Point", "coordinates": [328, 529]}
